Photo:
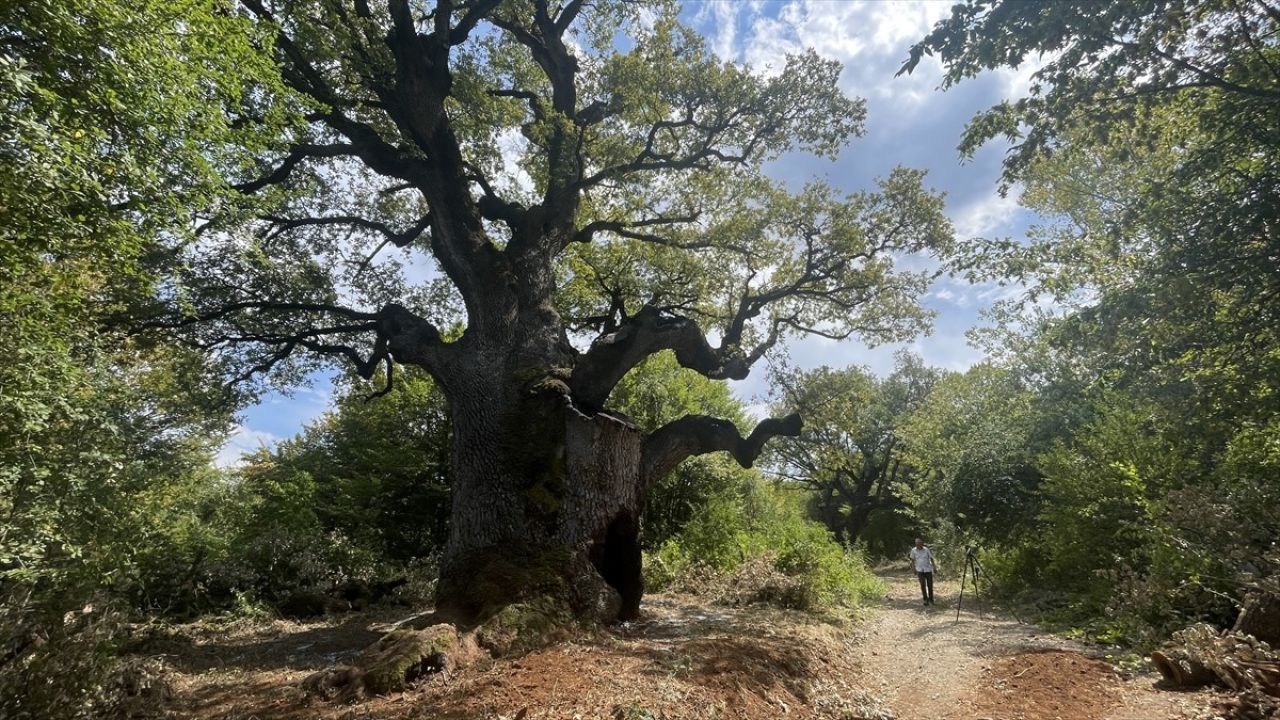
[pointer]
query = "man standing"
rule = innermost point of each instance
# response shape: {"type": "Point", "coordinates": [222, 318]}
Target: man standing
{"type": "Point", "coordinates": [922, 559]}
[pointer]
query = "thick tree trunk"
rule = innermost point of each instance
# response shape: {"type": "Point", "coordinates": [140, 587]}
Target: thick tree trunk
{"type": "Point", "coordinates": [545, 514]}
{"type": "Point", "coordinates": [858, 517]}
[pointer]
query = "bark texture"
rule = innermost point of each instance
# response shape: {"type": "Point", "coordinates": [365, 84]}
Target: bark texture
{"type": "Point", "coordinates": [550, 519]}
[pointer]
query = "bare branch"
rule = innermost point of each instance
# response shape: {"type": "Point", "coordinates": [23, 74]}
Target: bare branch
{"type": "Point", "coordinates": [693, 435]}
{"type": "Point", "coordinates": [386, 390]}
{"type": "Point", "coordinates": [291, 161]}
{"type": "Point", "coordinates": [612, 355]}
{"type": "Point", "coordinates": [398, 333]}
{"type": "Point", "coordinates": [568, 14]}
{"type": "Point", "coordinates": [399, 239]}
{"type": "Point", "coordinates": [478, 12]}
{"type": "Point", "coordinates": [544, 40]}
{"type": "Point", "coordinates": [627, 230]}
{"type": "Point", "coordinates": [263, 305]}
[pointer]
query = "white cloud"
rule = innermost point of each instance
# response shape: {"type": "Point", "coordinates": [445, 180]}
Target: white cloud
{"type": "Point", "coordinates": [988, 216]}
{"type": "Point", "coordinates": [243, 440]}
{"type": "Point", "coordinates": [514, 179]}
{"type": "Point", "coordinates": [992, 292]}
{"type": "Point", "coordinates": [870, 37]}
{"type": "Point", "coordinates": [1016, 82]}
{"type": "Point", "coordinates": [723, 16]}
{"type": "Point", "coordinates": [767, 49]}
{"type": "Point", "coordinates": [955, 298]}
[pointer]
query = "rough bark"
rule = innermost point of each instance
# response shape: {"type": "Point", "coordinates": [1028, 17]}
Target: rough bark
{"type": "Point", "coordinates": [545, 512]}
{"type": "Point", "coordinates": [547, 499]}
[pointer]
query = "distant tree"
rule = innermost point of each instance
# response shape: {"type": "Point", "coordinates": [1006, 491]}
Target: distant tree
{"type": "Point", "coordinates": [629, 214]}
{"type": "Point", "coordinates": [973, 439]}
{"type": "Point", "coordinates": [379, 467]}
{"type": "Point", "coordinates": [850, 451]}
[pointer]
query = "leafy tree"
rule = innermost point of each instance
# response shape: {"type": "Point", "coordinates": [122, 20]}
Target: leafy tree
{"type": "Point", "coordinates": [974, 440]}
{"type": "Point", "coordinates": [99, 161]}
{"type": "Point", "coordinates": [112, 131]}
{"type": "Point", "coordinates": [1151, 137]}
{"type": "Point", "coordinates": [379, 467]}
{"type": "Point", "coordinates": [850, 452]}
{"type": "Point", "coordinates": [1150, 143]}
{"type": "Point", "coordinates": [1101, 511]}
{"type": "Point", "coordinates": [1107, 66]}
{"type": "Point", "coordinates": [630, 216]}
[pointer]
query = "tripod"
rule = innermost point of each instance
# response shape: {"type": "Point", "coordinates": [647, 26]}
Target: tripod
{"type": "Point", "coordinates": [970, 566]}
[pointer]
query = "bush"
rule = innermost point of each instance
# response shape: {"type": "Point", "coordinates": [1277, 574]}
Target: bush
{"type": "Point", "coordinates": [59, 667]}
{"type": "Point", "coordinates": [757, 545]}
{"type": "Point", "coordinates": [830, 575]}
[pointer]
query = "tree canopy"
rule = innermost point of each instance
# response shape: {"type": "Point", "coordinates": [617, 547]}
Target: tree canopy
{"type": "Point", "coordinates": [541, 160]}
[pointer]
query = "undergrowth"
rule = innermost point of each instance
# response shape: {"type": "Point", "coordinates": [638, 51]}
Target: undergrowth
{"type": "Point", "coordinates": [757, 545]}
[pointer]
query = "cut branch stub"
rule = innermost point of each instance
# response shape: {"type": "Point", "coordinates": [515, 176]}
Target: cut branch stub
{"type": "Point", "coordinates": [1260, 617]}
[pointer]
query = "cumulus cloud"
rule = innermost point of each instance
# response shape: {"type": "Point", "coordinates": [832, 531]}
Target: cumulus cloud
{"type": "Point", "coordinates": [989, 216]}
{"type": "Point", "coordinates": [955, 298]}
{"type": "Point", "coordinates": [722, 16]}
{"type": "Point", "coordinates": [243, 440]}
{"type": "Point", "coordinates": [870, 37]}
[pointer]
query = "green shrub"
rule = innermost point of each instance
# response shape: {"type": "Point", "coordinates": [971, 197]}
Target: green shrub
{"type": "Point", "coordinates": [59, 665]}
{"type": "Point", "coordinates": [758, 545]}
{"type": "Point", "coordinates": [831, 575]}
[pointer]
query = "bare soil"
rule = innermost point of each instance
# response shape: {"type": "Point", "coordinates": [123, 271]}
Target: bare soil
{"type": "Point", "coordinates": [682, 660]}
{"type": "Point", "coordinates": [932, 663]}
{"type": "Point", "coordinates": [686, 659]}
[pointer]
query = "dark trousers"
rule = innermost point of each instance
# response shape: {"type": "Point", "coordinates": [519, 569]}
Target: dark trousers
{"type": "Point", "coordinates": [926, 585]}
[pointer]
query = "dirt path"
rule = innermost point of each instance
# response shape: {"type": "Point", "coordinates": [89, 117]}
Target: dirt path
{"type": "Point", "coordinates": [926, 665]}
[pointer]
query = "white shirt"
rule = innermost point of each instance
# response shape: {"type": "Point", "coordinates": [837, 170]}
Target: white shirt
{"type": "Point", "coordinates": [923, 558]}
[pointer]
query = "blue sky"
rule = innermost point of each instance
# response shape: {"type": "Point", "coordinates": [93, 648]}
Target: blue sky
{"type": "Point", "coordinates": [909, 122]}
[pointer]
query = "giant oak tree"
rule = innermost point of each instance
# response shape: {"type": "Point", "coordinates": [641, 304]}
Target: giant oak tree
{"type": "Point", "coordinates": [526, 199]}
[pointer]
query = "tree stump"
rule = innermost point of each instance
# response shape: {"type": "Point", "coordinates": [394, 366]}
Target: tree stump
{"type": "Point", "coordinates": [1260, 617]}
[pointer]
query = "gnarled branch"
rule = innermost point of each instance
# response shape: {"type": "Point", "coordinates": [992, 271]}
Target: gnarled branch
{"type": "Point", "coordinates": [693, 435]}
{"type": "Point", "coordinates": [398, 238]}
{"type": "Point", "coordinates": [630, 230]}
{"type": "Point", "coordinates": [397, 333]}
{"type": "Point", "coordinates": [612, 355]}
{"type": "Point", "coordinates": [297, 154]}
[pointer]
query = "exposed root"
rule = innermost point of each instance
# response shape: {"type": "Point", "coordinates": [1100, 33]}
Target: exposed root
{"type": "Point", "coordinates": [394, 662]}
{"type": "Point", "coordinates": [521, 628]}
{"type": "Point", "coordinates": [406, 655]}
